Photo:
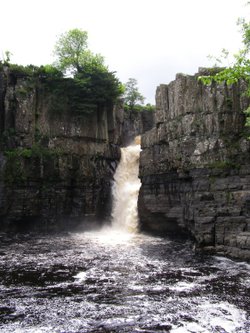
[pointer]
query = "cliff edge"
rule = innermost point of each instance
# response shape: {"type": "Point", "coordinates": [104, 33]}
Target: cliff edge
{"type": "Point", "coordinates": [57, 157]}
{"type": "Point", "coordinates": [195, 166]}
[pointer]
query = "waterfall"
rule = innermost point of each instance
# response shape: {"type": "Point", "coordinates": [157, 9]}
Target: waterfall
{"type": "Point", "coordinates": [126, 189]}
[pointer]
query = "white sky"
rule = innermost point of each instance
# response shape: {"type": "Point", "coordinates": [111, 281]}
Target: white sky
{"type": "Point", "coordinates": [149, 40]}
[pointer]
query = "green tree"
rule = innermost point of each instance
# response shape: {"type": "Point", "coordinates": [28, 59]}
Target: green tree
{"type": "Point", "coordinates": [132, 96]}
{"type": "Point", "coordinates": [92, 85]}
{"type": "Point", "coordinates": [240, 68]}
{"type": "Point", "coordinates": [72, 52]}
{"type": "Point", "coordinates": [6, 57]}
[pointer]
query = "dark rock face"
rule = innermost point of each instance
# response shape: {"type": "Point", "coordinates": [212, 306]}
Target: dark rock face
{"type": "Point", "coordinates": [136, 123]}
{"type": "Point", "coordinates": [195, 166]}
{"type": "Point", "coordinates": [55, 169]}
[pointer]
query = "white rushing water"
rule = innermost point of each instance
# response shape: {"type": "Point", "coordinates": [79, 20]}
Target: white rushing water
{"type": "Point", "coordinates": [117, 280]}
{"type": "Point", "coordinates": [126, 189]}
{"type": "Point", "coordinates": [84, 283]}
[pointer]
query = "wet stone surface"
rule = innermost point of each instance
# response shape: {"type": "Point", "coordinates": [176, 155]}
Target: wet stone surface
{"type": "Point", "coordinates": [110, 282]}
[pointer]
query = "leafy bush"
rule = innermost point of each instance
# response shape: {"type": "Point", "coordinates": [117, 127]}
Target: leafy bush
{"type": "Point", "coordinates": [91, 86]}
{"type": "Point", "coordinates": [240, 68]}
{"type": "Point", "coordinates": [139, 108]}
{"type": "Point", "coordinates": [35, 151]}
{"type": "Point", "coordinates": [18, 160]}
{"type": "Point", "coordinates": [224, 165]}
{"type": "Point", "coordinates": [42, 72]}
{"type": "Point", "coordinates": [94, 87]}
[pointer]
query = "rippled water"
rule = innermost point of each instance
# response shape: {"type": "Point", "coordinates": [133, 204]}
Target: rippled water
{"type": "Point", "coordinates": [111, 282]}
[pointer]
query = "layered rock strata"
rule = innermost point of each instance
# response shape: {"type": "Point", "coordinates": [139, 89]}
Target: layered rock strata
{"type": "Point", "coordinates": [56, 167]}
{"type": "Point", "coordinates": [195, 166]}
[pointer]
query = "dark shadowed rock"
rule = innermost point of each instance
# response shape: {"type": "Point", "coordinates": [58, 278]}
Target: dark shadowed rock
{"type": "Point", "coordinates": [136, 123]}
{"type": "Point", "coordinates": [56, 166]}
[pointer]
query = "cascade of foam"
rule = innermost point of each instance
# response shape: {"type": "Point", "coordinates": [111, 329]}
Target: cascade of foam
{"type": "Point", "coordinates": [126, 188]}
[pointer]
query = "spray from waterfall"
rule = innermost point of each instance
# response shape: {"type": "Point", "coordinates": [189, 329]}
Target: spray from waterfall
{"type": "Point", "coordinates": [126, 189]}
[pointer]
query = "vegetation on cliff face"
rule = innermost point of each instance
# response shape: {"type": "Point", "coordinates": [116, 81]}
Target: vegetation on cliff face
{"type": "Point", "coordinates": [30, 95]}
{"type": "Point", "coordinates": [240, 68]}
{"type": "Point", "coordinates": [21, 163]}
{"type": "Point", "coordinates": [78, 81]}
{"type": "Point", "coordinates": [92, 77]}
{"type": "Point", "coordinates": [84, 93]}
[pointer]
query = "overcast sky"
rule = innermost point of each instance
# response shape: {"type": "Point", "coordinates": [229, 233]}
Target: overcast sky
{"type": "Point", "coordinates": [149, 40]}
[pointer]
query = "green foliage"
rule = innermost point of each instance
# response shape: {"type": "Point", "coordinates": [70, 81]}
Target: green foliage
{"type": "Point", "coordinates": [132, 95]}
{"type": "Point", "coordinates": [245, 30]}
{"type": "Point", "coordinates": [102, 85]}
{"type": "Point", "coordinates": [48, 72]}
{"type": "Point", "coordinates": [70, 95]}
{"type": "Point", "coordinates": [95, 86]}
{"type": "Point", "coordinates": [83, 94]}
{"type": "Point", "coordinates": [7, 55]}
{"type": "Point", "coordinates": [13, 171]}
{"type": "Point", "coordinates": [36, 151]}
{"type": "Point", "coordinates": [92, 86]}
{"type": "Point", "coordinates": [6, 136]}
{"type": "Point", "coordinates": [247, 112]}
{"type": "Point", "coordinates": [139, 108]}
{"type": "Point", "coordinates": [224, 165]}
{"type": "Point", "coordinates": [10, 132]}
{"type": "Point", "coordinates": [23, 91]}
{"type": "Point", "coordinates": [42, 72]}
{"type": "Point", "coordinates": [72, 52]}
{"type": "Point", "coordinates": [240, 69]}
{"type": "Point", "coordinates": [5, 58]}
{"type": "Point", "coordinates": [21, 71]}
{"type": "Point", "coordinates": [18, 160]}
{"type": "Point", "coordinates": [149, 107]}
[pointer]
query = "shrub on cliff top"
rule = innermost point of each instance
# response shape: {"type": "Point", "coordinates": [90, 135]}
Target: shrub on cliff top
{"type": "Point", "coordinates": [240, 69]}
{"type": "Point", "coordinates": [42, 72]}
{"type": "Point", "coordinates": [139, 108]}
{"type": "Point", "coordinates": [96, 85]}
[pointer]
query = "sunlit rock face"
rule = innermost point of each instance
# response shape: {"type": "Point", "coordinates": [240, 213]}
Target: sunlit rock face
{"type": "Point", "coordinates": [195, 166]}
{"type": "Point", "coordinates": [56, 166]}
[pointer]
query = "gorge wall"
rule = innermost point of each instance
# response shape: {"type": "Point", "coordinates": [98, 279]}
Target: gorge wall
{"type": "Point", "coordinates": [56, 165]}
{"type": "Point", "coordinates": [135, 123]}
{"type": "Point", "coordinates": [195, 166]}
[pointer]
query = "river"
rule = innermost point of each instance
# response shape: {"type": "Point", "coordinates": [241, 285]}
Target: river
{"type": "Point", "coordinates": [116, 282]}
{"type": "Point", "coordinates": [119, 280]}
